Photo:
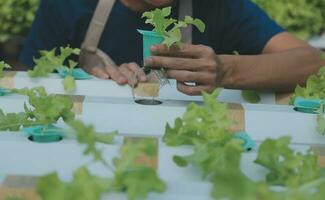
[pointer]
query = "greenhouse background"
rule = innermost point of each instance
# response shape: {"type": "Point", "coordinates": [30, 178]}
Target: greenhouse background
{"type": "Point", "coordinates": [304, 18]}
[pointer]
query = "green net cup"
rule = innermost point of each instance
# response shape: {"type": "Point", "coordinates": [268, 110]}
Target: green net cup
{"type": "Point", "coordinates": [150, 38]}
{"type": "Point", "coordinates": [44, 134]}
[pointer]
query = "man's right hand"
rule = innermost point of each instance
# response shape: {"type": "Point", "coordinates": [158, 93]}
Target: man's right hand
{"type": "Point", "coordinates": [127, 73]}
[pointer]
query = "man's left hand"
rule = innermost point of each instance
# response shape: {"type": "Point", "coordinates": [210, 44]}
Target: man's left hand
{"type": "Point", "coordinates": [196, 68]}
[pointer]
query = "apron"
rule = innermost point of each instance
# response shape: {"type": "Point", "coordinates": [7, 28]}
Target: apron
{"type": "Point", "coordinates": [91, 56]}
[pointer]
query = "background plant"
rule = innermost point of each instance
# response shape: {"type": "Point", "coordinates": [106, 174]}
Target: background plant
{"type": "Point", "coordinates": [304, 18]}
{"type": "Point", "coordinates": [16, 17]}
{"type": "Point", "coordinates": [3, 66]}
{"type": "Point", "coordinates": [55, 60]}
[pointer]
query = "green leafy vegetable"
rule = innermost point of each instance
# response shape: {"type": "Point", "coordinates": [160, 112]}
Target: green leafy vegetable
{"type": "Point", "coordinates": [12, 121]}
{"type": "Point", "coordinates": [218, 158]}
{"type": "Point", "coordinates": [84, 186]}
{"type": "Point", "coordinates": [212, 158]}
{"type": "Point", "coordinates": [47, 109]}
{"type": "Point", "coordinates": [251, 96]}
{"type": "Point", "coordinates": [170, 28]}
{"type": "Point", "coordinates": [130, 175]}
{"type": "Point", "coordinates": [314, 89]}
{"type": "Point", "coordinates": [304, 18]}
{"type": "Point", "coordinates": [234, 185]}
{"type": "Point", "coordinates": [16, 17]}
{"type": "Point", "coordinates": [69, 83]}
{"type": "Point", "coordinates": [137, 178]}
{"type": "Point", "coordinates": [3, 66]}
{"type": "Point", "coordinates": [42, 109]}
{"type": "Point", "coordinates": [87, 135]}
{"type": "Point", "coordinates": [205, 123]}
{"type": "Point", "coordinates": [287, 167]}
{"type": "Point", "coordinates": [315, 86]}
{"type": "Point", "coordinates": [50, 61]}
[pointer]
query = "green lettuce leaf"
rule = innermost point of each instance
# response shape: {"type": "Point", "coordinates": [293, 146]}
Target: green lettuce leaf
{"type": "Point", "coordinates": [251, 96]}
{"type": "Point", "coordinates": [137, 178]}
{"type": "Point", "coordinates": [286, 167]}
{"type": "Point", "coordinates": [84, 186]}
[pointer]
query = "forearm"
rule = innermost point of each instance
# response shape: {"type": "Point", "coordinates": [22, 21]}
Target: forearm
{"type": "Point", "coordinates": [279, 72]}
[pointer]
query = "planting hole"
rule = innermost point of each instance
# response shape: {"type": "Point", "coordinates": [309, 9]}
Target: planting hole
{"type": "Point", "coordinates": [306, 110]}
{"type": "Point", "coordinates": [148, 102]}
{"type": "Point", "coordinates": [45, 140]}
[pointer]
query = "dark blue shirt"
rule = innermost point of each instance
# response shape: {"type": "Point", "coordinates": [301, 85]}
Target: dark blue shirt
{"type": "Point", "coordinates": [232, 25]}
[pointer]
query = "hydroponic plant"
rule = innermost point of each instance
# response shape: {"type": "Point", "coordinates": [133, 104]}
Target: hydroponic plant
{"type": "Point", "coordinates": [41, 112]}
{"type": "Point", "coordinates": [215, 152]}
{"type": "Point", "coordinates": [16, 17]}
{"type": "Point", "coordinates": [129, 175]}
{"type": "Point", "coordinates": [304, 18]}
{"type": "Point", "coordinates": [314, 91]}
{"type": "Point", "coordinates": [169, 28]}
{"type": "Point", "coordinates": [50, 61]}
{"type": "Point", "coordinates": [218, 156]}
{"type": "Point", "coordinates": [166, 30]}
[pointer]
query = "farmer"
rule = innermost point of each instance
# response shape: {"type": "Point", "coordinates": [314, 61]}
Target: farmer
{"type": "Point", "coordinates": [270, 58]}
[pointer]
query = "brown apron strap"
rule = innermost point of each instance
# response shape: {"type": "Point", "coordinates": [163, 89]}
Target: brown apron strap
{"type": "Point", "coordinates": [97, 24]}
{"type": "Point", "coordinates": [186, 8]}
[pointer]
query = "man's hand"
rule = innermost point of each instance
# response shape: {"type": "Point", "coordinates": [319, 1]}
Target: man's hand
{"type": "Point", "coordinates": [195, 67]}
{"type": "Point", "coordinates": [128, 73]}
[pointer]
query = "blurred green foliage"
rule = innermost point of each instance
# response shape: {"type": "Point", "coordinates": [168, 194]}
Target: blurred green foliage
{"type": "Point", "coordinates": [16, 17]}
{"type": "Point", "coordinates": [301, 17]}
{"type": "Point", "coordinates": [304, 18]}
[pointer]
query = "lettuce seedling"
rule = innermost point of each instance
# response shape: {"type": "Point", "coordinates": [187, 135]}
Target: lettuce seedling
{"type": "Point", "coordinates": [314, 89]}
{"type": "Point", "coordinates": [209, 122]}
{"type": "Point", "coordinates": [287, 167]}
{"type": "Point", "coordinates": [169, 28]}
{"type": "Point", "coordinates": [50, 61]}
{"type": "Point", "coordinates": [131, 176]}
{"type": "Point", "coordinates": [315, 86]}
{"type": "Point", "coordinates": [42, 109]}
{"type": "Point", "coordinates": [137, 178]}
{"type": "Point", "coordinates": [87, 135]}
{"type": "Point", "coordinates": [84, 186]}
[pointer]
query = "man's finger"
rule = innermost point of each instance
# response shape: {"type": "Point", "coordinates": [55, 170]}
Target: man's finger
{"type": "Point", "coordinates": [195, 77]}
{"type": "Point", "coordinates": [126, 71]}
{"type": "Point", "coordinates": [99, 72]}
{"type": "Point", "coordinates": [116, 75]}
{"type": "Point", "coordinates": [183, 51]}
{"type": "Point", "coordinates": [138, 71]}
{"type": "Point", "coordinates": [129, 74]}
{"type": "Point", "coordinates": [193, 90]}
{"type": "Point", "coordinates": [174, 63]}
